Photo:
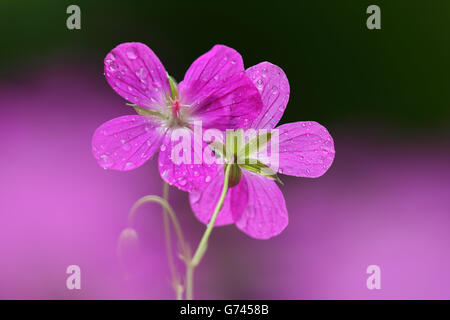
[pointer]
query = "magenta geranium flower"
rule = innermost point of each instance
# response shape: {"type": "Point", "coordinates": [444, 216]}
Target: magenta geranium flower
{"type": "Point", "coordinates": [255, 204]}
{"type": "Point", "coordinates": [215, 91]}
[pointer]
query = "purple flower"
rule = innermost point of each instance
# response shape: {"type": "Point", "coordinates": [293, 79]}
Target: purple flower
{"type": "Point", "coordinates": [215, 91]}
{"type": "Point", "coordinates": [255, 204]}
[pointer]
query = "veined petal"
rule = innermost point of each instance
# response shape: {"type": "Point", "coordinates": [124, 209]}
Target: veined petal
{"type": "Point", "coordinates": [306, 149]}
{"type": "Point", "coordinates": [273, 85]}
{"type": "Point", "coordinates": [265, 215]}
{"type": "Point", "coordinates": [218, 91]}
{"type": "Point", "coordinates": [219, 63]}
{"type": "Point", "coordinates": [181, 163]}
{"type": "Point", "coordinates": [126, 142]}
{"type": "Point", "coordinates": [135, 73]}
{"type": "Point", "coordinates": [203, 202]}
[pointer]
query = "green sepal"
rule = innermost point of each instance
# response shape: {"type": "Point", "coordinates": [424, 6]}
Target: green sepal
{"type": "Point", "coordinates": [173, 87]}
{"type": "Point", "coordinates": [144, 111]}
{"type": "Point", "coordinates": [260, 168]}
{"type": "Point", "coordinates": [233, 140]}
{"type": "Point", "coordinates": [235, 175]}
{"type": "Point", "coordinates": [218, 148]}
{"type": "Point", "coordinates": [255, 144]}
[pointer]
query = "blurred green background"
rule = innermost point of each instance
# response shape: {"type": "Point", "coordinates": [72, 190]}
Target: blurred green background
{"type": "Point", "coordinates": [339, 71]}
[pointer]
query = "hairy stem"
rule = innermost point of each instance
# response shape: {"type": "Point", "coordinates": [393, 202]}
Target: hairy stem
{"type": "Point", "coordinates": [173, 271]}
{"type": "Point", "coordinates": [201, 249]}
{"type": "Point", "coordinates": [176, 225]}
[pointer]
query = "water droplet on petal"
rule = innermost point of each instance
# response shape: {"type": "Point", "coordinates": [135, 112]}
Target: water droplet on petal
{"type": "Point", "coordinates": [208, 179]}
{"type": "Point", "coordinates": [163, 148]}
{"type": "Point", "coordinates": [112, 66]}
{"type": "Point", "coordinates": [274, 90]}
{"type": "Point", "coordinates": [142, 74]}
{"type": "Point", "coordinates": [182, 181]}
{"type": "Point", "coordinates": [131, 54]}
{"type": "Point", "coordinates": [129, 164]}
{"type": "Point", "coordinates": [260, 83]}
{"type": "Point", "coordinates": [106, 161]}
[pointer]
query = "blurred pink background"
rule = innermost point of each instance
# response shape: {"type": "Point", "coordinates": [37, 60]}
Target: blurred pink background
{"type": "Point", "coordinates": [385, 201]}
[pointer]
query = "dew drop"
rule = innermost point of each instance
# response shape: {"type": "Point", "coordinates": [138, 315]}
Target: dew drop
{"type": "Point", "coordinates": [163, 148]}
{"type": "Point", "coordinates": [259, 83]}
{"type": "Point", "coordinates": [131, 54]}
{"type": "Point", "coordinates": [106, 161]}
{"type": "Point", "coordinates": [129, 164]}
{"type": "Point", "coordinates": [142, 74]}
{"type": "Point", "coordinates": [275, 90]}
{"type": "Point", "coordinates": [112, 66]}
{"type": "Point", "coordinates": [182, 181]}
{"type": "Point", "coordinates": [208, 179]}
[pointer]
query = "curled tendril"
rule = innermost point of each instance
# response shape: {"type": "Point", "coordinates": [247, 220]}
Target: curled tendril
{"type": "Point", "coordinates": [167, 210]}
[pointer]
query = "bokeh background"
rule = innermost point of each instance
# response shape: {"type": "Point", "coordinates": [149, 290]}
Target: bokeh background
{"type": "Point", "coordinates": [383, 95]}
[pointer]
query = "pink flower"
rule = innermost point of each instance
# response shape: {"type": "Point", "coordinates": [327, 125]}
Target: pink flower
{"type": "Point", "coordinates": [256, 205]}
{"type": "Point", "coordinates": [215, 91]}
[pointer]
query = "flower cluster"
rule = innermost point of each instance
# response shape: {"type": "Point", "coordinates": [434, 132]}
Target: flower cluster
{"type": "Point", "coordinates": [218, 92]}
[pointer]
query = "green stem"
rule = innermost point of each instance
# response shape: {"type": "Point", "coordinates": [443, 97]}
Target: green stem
{"type": "Point", "coordinates": [201, 249]}
{"type": "Point", "coordinates": [173, 271]}
{"type": "Point", "coordinates": [176, 225]}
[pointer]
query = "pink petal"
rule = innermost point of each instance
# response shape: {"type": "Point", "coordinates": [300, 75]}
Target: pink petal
{"type": "Point", "coordinates": [306, 149]}
{"type": "Point", "coordinates": [273, 85]}
{"type": "Point", "coordinates": [185, 176]}
{"type": "Point", "coordinates": [219, 63]}
{"type": "Point", "coordinates": [126, 142]}
{"type": "Point", "coordinates": [203, 202]}
{"type": "Point", "coordinates": [265, 215]}
{"type": "Point", "coordinates": [135, 73]}
{"type": "Point", "coordinates": [219, 92]}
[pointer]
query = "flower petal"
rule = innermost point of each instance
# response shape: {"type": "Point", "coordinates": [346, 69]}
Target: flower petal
{"type": "Point", "coordinates": [135, 73]}
{"type": "Point", "coordinates": [273, 85]}
{"type": "Point", "coordinates": [265, 215]}
{"type": "Point", "coordinates": [126, 142]}
{"type": "Point", "coordinates": [203, 202]}
{"type": "Point", "coordinates": [218, 91]}
{"type": "Point", "coordinates": [219, 63]}
{"type": "Point", "coordinates": [306, 149]}
{"type": "Point", "coordinates": [188, 175]}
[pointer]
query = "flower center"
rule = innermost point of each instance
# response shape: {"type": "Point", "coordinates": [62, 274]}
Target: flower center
{"type": "Point", "coordinates": [176, 108]}
{"type": "Point", "coordinates": [178, 113]}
